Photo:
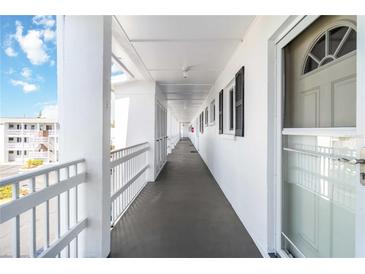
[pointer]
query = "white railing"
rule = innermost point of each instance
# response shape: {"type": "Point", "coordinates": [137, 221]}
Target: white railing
{"type": "Point", "coordinates": [30, 132]}
{"type": "Point", "coordinates": [52, 132]}
{"type": "Point", "coordinates": [320, 171]}
{"type": "Point", "coordinates": [42, 217]}
{"type": "Point", "coordinates": [21, 146]}
{"type": "Point", "coordinates": [39, 154]}
{"type": "Point", "coordinates": [15, 132]}
{"type": "Point", "coordinates": [128, 177]}
{"type": "Point", "coordinates": [38, 139]}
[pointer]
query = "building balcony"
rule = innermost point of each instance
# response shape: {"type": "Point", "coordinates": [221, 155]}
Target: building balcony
{"type": "Point", "coordinates": [21, 146]}
{"type": "Point", "coordinates": [39, 154]}
{"type": "Point", "coordinates": [32, 132]}
{"type": "Point", "coordinates": [60, 188]}
{"type": "Point", "coordinates": [15, 132]}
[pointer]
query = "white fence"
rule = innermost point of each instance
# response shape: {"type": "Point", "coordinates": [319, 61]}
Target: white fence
{"type": "Point", "coordinates": [128, 177]}
{"type": "Point", "coordinates": [42, 217]}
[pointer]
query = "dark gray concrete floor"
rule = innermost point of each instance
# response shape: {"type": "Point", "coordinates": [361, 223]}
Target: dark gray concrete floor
{"type": "Point", "coordinates": [183, 214]}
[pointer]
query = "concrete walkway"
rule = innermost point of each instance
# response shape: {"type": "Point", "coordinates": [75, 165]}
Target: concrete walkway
{"type": "Point", "coordinates": [183, 214]}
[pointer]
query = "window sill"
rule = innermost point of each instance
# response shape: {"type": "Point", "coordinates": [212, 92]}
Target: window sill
{"type": "Point", "coordinates": [228, 136]}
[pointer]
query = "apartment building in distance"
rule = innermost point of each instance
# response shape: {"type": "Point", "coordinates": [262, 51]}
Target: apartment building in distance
{"type": "Point", "coordinates": [28, 138]}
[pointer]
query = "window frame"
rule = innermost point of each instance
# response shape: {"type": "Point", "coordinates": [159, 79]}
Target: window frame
{"type": "Point", "coordinates": [212, 112]}
{"type": "Point", "coordinates": [240, 128]}
{"type": "Point", "coordinates": [226, 108]}
{"type": "Point", "coordinates": [341, 23]}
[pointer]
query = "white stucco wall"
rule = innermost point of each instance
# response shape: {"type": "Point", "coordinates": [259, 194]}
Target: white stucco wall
{"type": "Point", "coordinates": [184, 128]}
{"type": "Point", "coordinates": [134, 116]}
{"type": "Point", "coordinates": [239, 164]}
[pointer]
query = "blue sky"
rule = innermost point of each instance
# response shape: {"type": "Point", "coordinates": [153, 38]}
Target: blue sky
{"type": "Point", "coordinates": [28, 76]}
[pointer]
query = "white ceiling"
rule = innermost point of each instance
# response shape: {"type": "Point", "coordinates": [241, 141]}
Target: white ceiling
{"type": "Point", "coordinates": [165, 45]}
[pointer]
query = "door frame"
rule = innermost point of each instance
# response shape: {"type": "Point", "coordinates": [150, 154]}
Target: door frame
{"type": "Point", "coordinates": [291, 28]}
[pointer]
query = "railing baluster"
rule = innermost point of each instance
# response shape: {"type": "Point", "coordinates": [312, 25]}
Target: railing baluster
{"type": "Point", "coordinates": [16, 223]}
{"type": "Point", "coordinates": [58, 228]}
{"type": "Point", "coordinates": [76, 214]}
{"type": "Point", "coordinates": [46, 217]}
{"type": "Point", "coordinates": [33, 224]}
{"type": "Point", "coordinates": [58, 208]}
{"type": "Point", "coordinates": [68, 208]}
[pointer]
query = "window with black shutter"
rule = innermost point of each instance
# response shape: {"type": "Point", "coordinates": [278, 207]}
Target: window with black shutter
{"type": "Point", "coordinates": [239, 102]}
{"type": "Point", "coordinates": [231, 109]}
{"type": "Point", "coordinates": [220, 113]}
{"type": "Point", "coordinates": [206, 116]}
{"type": "Point", "coordinates": [202, 121]}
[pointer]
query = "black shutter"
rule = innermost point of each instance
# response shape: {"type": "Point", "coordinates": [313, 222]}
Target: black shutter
{"type": "Point", "coordinates": [203, 122]}
{"type": "Point", "coordinates": [220, 114]}
{"type": "Point", "coordinates": [231, 109]}
{"type": "Point", "coordinates": [206, 115]}
{"type": "Point", "coordinates": [200, 123]}
{"type": "Point", "coordinates": [240, 102]}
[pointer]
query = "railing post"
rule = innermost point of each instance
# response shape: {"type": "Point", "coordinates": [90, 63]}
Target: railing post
{"type": "Point", "coordinates": [84, 64]}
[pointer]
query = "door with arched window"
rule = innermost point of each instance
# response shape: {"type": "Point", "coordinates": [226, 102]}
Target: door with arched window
{"type": "Point", "coordinates": [319, 177]}
{"type": "Point", "coordinates": [321, 75]}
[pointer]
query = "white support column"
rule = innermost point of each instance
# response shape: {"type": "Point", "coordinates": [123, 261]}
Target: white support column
{"type": "Point", "coordinates": [84, 68]}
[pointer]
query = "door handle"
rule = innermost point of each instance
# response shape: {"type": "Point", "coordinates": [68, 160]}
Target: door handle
{"type": "Point", "coordinates": [352, 161]}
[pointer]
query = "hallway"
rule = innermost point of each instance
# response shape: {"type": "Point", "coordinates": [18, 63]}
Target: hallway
{"type": "Point", "coordinates": [183, 214]}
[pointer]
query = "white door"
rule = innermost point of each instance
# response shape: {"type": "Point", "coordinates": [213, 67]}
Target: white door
{"type": "Point", "coordinates": [321, 140]}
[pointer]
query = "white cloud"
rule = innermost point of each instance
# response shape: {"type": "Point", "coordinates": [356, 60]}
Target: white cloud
{"type": "Point", "coordinates": [9, 51]}
{"type": "Point", "coordinates": [49, 35]}
{"type": "Point", "coordinates": [27, 87]}
{"type": "Point", "coordinates": [39, 78]}
{"type": "Point", "coordinates": [10, 71]}
{"type": "Point", "coordinates": [50, 111]}
{"type": "Point", "coordinates": [26, 73]}
{"type": "Point", "coordinates": [32, 45]}
{"type": "Point", "coordinates": [44, 20]}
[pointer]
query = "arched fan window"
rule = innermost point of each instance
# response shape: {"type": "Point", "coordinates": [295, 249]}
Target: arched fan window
{"type": "Point", "coordinates": [334, 43]}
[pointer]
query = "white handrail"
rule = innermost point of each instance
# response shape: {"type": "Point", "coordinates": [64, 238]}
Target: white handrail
{"type": "Point", "coordinates": [128, 165]}
{"type": "Point", "coordinates": [128, 148]}
{"type": "Point", "coordinates": [34, 173]}
{"type": "Point", "coordinates": [127, 157]}
{"type": "Point", "coordinates": [65, 189]}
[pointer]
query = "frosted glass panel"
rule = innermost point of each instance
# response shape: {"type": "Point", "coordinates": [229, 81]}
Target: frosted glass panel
{"type": "Point", "coordinates": [318, 196]}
